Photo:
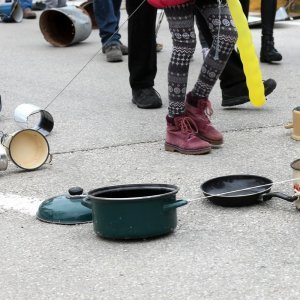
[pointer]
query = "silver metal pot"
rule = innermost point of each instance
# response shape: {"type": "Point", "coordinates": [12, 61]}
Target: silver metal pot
{"type": "Point", "coordinates": [3, 158]}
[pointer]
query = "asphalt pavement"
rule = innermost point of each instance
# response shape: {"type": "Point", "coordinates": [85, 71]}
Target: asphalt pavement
{"type": "Point", "coordinates": [101, 139]}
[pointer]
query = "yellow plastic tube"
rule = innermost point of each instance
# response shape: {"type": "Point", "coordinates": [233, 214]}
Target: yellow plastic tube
{"type": "Point", "coordinates": [248, 55]}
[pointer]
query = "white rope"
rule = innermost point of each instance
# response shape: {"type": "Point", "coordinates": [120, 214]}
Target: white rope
{"type": "Point", "coordinates": [72, 79]}
{"type": "Point", "coordinates": [161, 16]}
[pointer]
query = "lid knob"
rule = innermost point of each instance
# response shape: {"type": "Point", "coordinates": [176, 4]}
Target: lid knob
{"type": "Point", "coordinates": [73, 191]}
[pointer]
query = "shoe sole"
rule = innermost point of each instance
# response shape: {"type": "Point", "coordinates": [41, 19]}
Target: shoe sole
{"type": "Point", "coordinates": [172, 148]}
{"type": "Point", "coordinates": [147, 106]}
{"type": "Point", "coordinates": [269, 61]}
{"type": "Point", "coordinates": [114, 59]}
{"type": "Point", "coordinates": [212, 142]}
{"type": "Point", "coordinates": [235, 101]}
{"type": "Point", "coordinates": [244, 99]}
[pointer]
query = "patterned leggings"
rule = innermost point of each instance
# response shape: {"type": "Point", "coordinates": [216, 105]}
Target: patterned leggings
{"type": "Point", "coordinates": [181, 25]}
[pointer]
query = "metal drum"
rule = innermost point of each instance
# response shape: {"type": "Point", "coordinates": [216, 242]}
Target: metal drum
{"type": "Point", "coordinates": [65, 26]}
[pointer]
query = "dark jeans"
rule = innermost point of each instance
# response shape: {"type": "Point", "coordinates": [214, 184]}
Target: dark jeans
{"type": "Point", "coordinates": [107, 15]}
{"type": "Point", "coordinates": [141, 44]}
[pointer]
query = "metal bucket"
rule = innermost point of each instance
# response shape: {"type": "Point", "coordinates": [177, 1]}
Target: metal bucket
{"type": "Point", "coordinates": [27, 149]}
{"type": "Point", "coordinates": [11, 12]}
{"type": "Point", "coordinates": [88, 6]}
{"type": "Point", "coordinates": [65, 26]}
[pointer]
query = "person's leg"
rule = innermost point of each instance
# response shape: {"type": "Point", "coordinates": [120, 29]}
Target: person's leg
{"type": "Point", "coordinates": [184, 44]}
{"type": "Point", "coordinates": [245, 6]}
{"type": "Point", "coordinates": [224, 34]}
{"type": "Point", "coordinates": [62, 3]}
{"type": "Point", "coordinates": [26, 4]}
{"type": "Point", "coordinates": [224, 38]}
{"type": "Point", "coordinates": [51, 3]}
{"type": "Point", "coordinates": [233, 79]}
{"type": "Point", "coordinates": [107, 20]}
{"type": "Point", "coordinates": [268, 12]}
{"type": "Point", "coordinates": [268, 52]}
{"type": "Point", "coordinates": [233, 72]}
{"type": "Point", "coordinates": [181, 129]}
{"type": "Point", "coordinates": [142, 53]}
{"type": "Point", "coordinates": [27, 11]}
{"type": "Point", "coordinates": [204, 44]}
{"type": "Point", "coordinates": [108, 23]}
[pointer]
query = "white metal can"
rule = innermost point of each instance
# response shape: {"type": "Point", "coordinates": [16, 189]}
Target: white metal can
{"type": "Point", "coordinates": [29, 116]}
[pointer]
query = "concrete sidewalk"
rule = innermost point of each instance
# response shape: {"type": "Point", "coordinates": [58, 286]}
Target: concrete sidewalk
{"type": "Point", "coordinates": [101, 139]}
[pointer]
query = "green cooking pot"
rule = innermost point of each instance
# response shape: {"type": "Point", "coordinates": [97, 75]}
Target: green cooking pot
{"type": "Point", "coordinates": [135, 211]}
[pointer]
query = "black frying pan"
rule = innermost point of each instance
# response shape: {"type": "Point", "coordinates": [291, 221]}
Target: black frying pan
{"type": "Point", "coordinates": [241, 190]}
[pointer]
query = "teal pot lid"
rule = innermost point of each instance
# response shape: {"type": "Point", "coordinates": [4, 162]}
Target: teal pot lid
{"type": "Point", "coordinates": [65, 209]}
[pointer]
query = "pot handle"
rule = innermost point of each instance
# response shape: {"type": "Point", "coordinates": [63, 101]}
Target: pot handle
{"type": "Point", "coordinates": [85, 202]}
{"type": "Point", "coordinates": [49, 159]}
{"type": "Point", "coordinates": [289, 125]}
{"type": "Point", "coordinates": [176, 204]}
{"type": "Point", "coordinates": [269, 196]}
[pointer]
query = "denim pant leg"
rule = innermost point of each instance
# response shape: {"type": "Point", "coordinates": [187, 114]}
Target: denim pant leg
{"type": "Point", "coordinates": [61, 3]}
{"type": "Point", "coordinates": [51, 3]}
{"type": "Point", "coordinates": [107, 15]}
{"type": "Point", "coordinates": [26, 3]}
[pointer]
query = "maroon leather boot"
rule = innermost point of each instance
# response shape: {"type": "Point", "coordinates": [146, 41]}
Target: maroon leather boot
{"type": "Point", "coordinates": [200, 110]}
{"type": "Point", "coordinates": [181, 136]}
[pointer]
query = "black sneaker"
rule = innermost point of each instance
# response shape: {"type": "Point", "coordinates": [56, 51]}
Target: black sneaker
{"type": "Point", "coordinates": [113, 53]}
{"type": "Point", "coordinates": [239, 94]}
{"type": "Point", "coordinates": [268, 52]}
{"type": "Point", "coordinates": [146, 98]}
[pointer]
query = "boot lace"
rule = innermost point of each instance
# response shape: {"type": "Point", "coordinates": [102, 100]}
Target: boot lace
{"type": "Point", "coordinates": [187, 125]}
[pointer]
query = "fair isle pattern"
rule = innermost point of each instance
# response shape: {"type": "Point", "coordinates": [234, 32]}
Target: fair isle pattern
{"type": "Point", "coordinates": [224, 39]}
{"type": "Point", "coordinates": [181, 24]}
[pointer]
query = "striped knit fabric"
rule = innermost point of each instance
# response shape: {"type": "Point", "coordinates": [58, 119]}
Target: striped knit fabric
{"type": "Point", "coordinates": [181, 25]}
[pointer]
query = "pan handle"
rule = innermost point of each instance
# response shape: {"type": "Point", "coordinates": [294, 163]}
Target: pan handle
{"type": "Point", "coordinates": [269, 196]}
